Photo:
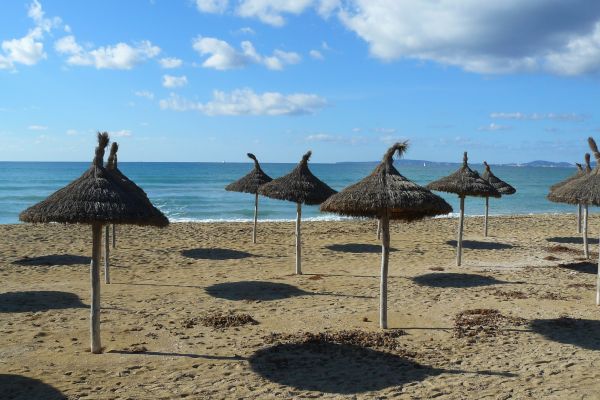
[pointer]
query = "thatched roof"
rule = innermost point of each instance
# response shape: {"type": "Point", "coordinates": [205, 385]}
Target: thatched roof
{"type": "Point", "coordinates": [387, 190]}
{"type": "Point", "coordinates": [299, 186]}
{"type": "Point", "coordinates": [498, 184]}
{"type": "Point", "coordinates": [250, 182]}
{"type": "Point", "coordinates": [96, 196]}
{"type": "Point", "coordinates": [464, 182]}
{"type": "Point", "coordinates": [112, 166]}
{"type": "Point", "coordinates": [583, 190]}
{"type": "Point", "coordinates": [580, 172]}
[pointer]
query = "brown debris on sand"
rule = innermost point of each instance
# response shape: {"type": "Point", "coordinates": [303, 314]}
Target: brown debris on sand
{"type": "Point", "coordinates": [561, 249]}
{"type": "Point", "coordinates": [581, 286]}
{"type": "Point", "coordinates": [380, 340]}
{"type": "Point", "coordinates": [220, 320]}
{"type": "Point", "coordinates": [509, 294]}
{"type": "Point", "coordinates": [482, 322]}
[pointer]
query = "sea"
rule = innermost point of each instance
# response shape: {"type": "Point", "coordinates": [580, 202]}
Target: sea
{"type": "Point", "coordinates": [195, 192]}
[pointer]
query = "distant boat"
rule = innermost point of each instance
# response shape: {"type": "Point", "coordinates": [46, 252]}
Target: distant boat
{"type": "Point", "coordinates": [424, 164]}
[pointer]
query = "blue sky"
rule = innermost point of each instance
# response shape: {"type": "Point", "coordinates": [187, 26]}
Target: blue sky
{"type": "Point", "coordinates": [209, 80]}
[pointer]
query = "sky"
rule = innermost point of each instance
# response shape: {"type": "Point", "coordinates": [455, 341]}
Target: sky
{"type": "Point", "coordinates": [210, 80]}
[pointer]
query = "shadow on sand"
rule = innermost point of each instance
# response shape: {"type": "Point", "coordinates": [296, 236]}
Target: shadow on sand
{"type": "Point", "coordinates": [571, 240]}
{"type": "Point", "coordinates": [263, 291]}
{"type": "Point", "coordinates": [477, 245]}
{"type": "Point", "coordinates": [54, 259]}
{"type": "Point", "coordinates": [20, 387]}
{"type": "Point", "coordinates": [585, 267]}
{"type": "Point", "coordinates": [584, 333]}
{"type": "Point", "coordinates": [356, 248]}
{"type": "Point", "coordinates": [449, 280]}
{"type": "Point", "coordinates": [339, 368]}
{"type": "Point", "coordinates": [215, 254]}
{"type": "Point", "coordinates": [13, 302]}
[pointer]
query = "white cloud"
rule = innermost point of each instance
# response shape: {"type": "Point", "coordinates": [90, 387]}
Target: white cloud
{"type": "Point", "coordinates": [222, 56]}
{"type": "Point", "coordinates": [327, 138]}
{"type": "Point", "coordinates": [493, 127]}
{"type": "Point", "coordinates": [316, 54]}
{"type": "Point", "coordinates": [37, 127]}
{"type": "Point", "coordinates": [247, 102]}
{"type": "Point", "coordinates": [539, 116]}
{"type": "Point", "coordinates": [145, 93]}
{"type": "Point", "coordinates": [72, 132]}
{"type": "Point", "coordinates": [561, 36]}
{"type": "Point", "coordinates": [118, 56]}
{"type": "Point", "coordinates": [170, 62]}
{"type": "Point", "coordinates": [29, 49]}
{"type": "Point", "coordinates": [212, 6]}
{"type": "Point", "coordinates": [385, 130]}
{"type": "Point", "coordinates": [246, 30]}
{"type": "Point", "coordinates": [170, 81]}
{"type": "Point", "coordinates": [121, 133]}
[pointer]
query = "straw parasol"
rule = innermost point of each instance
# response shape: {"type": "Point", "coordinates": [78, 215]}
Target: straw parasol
{"type": "Point", "coordinates": [580, 172]}
{"type": "Point", "coordinates": [464, 182]}
{"type": "Point", "coordinates": [154, 213]}
{"type": "Point", "coordinates": [502, 187]}
{"type": "Point", "coordinates": [385, 195]}
{"type": "Point", "coordinates": [96, 198]}
{"type": "Point", "coordinates": [299, 186]}
{"type": "Point", "coordinates": [586, 190]}
{"type": "Point", "coordinates": [564, 193]}
{"type": "Point", "coordinates": [249, 184]}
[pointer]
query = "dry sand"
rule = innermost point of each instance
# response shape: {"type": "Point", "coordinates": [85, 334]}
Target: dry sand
{"type": "Point", "coordinates": [530, 268]}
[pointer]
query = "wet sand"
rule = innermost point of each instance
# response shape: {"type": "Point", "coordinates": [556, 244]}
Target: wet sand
{"type": "Point", "coordinates": [529, 268]}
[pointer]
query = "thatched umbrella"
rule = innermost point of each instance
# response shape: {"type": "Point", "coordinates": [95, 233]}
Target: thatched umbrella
{"type": "Point", "coordinates": [153, 212]}
{"type": "Point", "coordinates": [464, 182]}
{"type": "Point", "coordinates": [96, 198]}
{"type": "Point", "coordinates": [249, 184]}
{"type": "Point", "coordinates": [385, 195]}
{"type": "Point", "coordinates": [564, 194]}
{"type": "Point", "coordinates": [299, 186]}
{"type": "Point", "coordinates": [584, 190]}
{"type": "Point", "coordinates": [580, 172]}
{"type": "Point", "coordinates": [502, 187]}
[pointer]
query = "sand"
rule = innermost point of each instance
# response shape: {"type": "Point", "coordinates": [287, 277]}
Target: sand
{"type": "Point", "coordinates": [545, 344]}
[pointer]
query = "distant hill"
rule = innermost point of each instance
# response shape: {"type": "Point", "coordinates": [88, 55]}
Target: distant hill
{"type": "Point", "coordinates": [536, 163]}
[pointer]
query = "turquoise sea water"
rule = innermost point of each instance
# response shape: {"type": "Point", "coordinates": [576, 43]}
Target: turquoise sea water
{"type": "Point", "coordinates": [195, 191]}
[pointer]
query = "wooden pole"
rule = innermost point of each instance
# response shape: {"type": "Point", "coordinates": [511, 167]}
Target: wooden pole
{"type": "Point", "coordinates": [255, 218]}
{"type": "Point", "coordinates": [298, 240]}
{"type": "Point", "coordinates": [378, 229]}
{"type": "Point", "coordinates": [586, 250]}
{"type": "Point", "coordinates": [485, 223]}
{"type": "Point", "coordinates": [114, 236]}
{"type": "Point", "coordinates": [106, 255]}
{"type": "Point", "coordinates": [461, 220]}
{"type": "Point", "coordinates": [385, 255]}
{"type": "Point", "coordinates": [96, 347]}
{"type": "Point", "coordinates": [598, 282]}
{"type": "Point", "coordinates": [579, 218]}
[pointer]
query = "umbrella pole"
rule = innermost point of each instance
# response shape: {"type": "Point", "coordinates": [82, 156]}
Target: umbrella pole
{"type": "Point", "coordinates": [586, 251]}
{"type": "Point", "coordinates": [598, 283]}
{"type": "Point", "coordinates": [378, 229]}
{"type": "Point", "coordinates": [114, 236]}
{"type": "Point", "coordinates": [385, 255]}
{"type": "Point", "coordinates": [461, 220]}
{"type": "Point", "coordinates": [95, 281]}
{"type": "Point", "coordinates": [106, 255]}
{"type": "Point", "coordinates": [298, 240]}
{"type": "Point", "coordinates": [255, 218]}
{"type": "Point", "coordinates": [485, 223]}
{"type": "Point", "coordinates": [578, 218]}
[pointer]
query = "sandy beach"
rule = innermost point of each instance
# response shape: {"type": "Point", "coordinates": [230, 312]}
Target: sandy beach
{"type": "Point", "coordinates": [542, 343]}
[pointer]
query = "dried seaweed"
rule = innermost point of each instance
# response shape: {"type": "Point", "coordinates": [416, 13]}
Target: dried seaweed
{"type": "Point", "coordinates": [482, 322]}
{"type": "Point", "coordinates": [220, 320]}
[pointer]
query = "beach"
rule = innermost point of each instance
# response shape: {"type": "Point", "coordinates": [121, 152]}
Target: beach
{"type": "Point", "coordinates": [542, 343]}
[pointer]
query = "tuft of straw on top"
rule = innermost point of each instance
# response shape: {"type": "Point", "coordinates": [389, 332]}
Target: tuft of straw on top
{"type": "Point", "coordinates": [250, 182]}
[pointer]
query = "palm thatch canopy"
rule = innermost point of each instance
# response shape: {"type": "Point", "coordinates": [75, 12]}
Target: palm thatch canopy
{"type": "Point", "coordinates": [97, 196]}
{"type": "Point", "coordinates": [154, 214]}
{"type": "Point", "coordinates": [250, 182]}
{"type": "Point", "coordinates": [498, 184]}
{"type": "Point", "coordinates": [464, 182]}
{"type": "Point", "coordinates": [299, 186]}
{"type": "Point", "coordinates": [583, 190]}
{"type": "Point", "coordinates": [580, 172]}
{"type": "Point", "coordinates": [385, 190]}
